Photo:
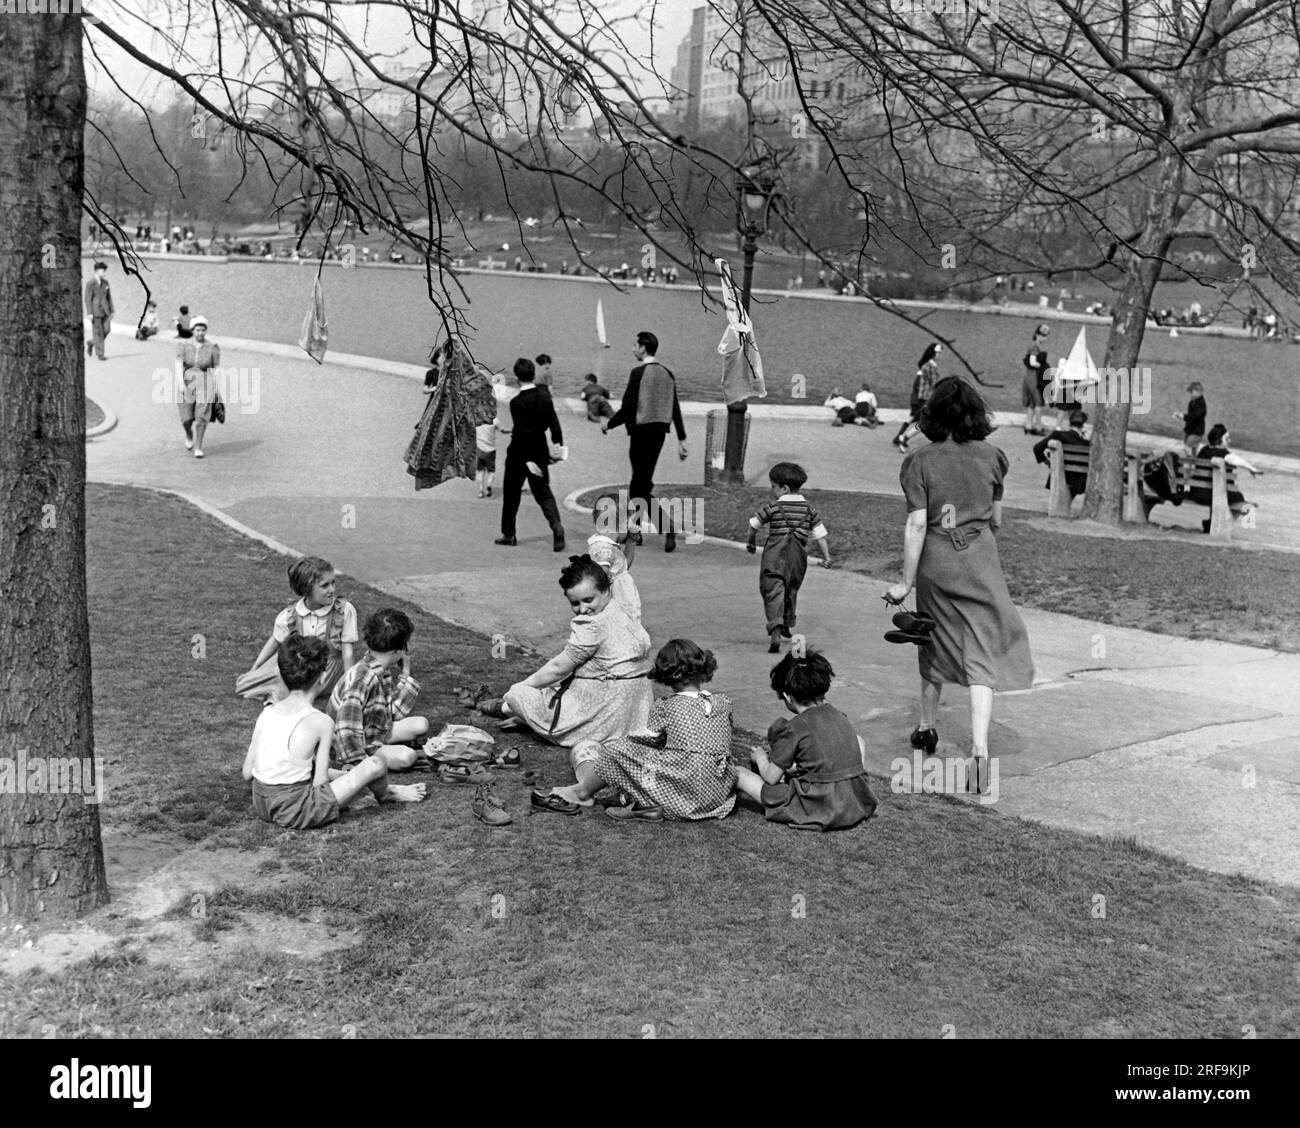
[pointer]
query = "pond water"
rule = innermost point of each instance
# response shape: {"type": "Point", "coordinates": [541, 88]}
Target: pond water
{"type": "Point", "coordinates": [385, 312]}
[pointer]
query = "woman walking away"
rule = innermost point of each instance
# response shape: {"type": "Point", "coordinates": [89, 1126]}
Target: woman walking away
{"type": "Point", "coordinates": [197, 362]}
{"type": "Point", "coordinates": [953, 489]}
{"type": "Point", "coordinates": [927, 372]}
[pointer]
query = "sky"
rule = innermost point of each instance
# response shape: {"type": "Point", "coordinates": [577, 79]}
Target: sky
{"type": "Point", "coordinates": [380, 28]}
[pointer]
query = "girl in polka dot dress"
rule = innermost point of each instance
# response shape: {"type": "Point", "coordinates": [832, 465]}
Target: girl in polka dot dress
{"type": "Point", "coordinates": [680, 763]}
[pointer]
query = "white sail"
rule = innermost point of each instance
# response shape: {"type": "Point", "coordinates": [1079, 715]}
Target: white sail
{"type": "Point", "coordinates": [1078, 367]}
{"type": "Point", "coordinates": [600, 324]}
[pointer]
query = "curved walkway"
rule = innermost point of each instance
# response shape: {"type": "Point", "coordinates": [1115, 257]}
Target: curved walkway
{"type": "Point", "coordinates": [1158, 741]}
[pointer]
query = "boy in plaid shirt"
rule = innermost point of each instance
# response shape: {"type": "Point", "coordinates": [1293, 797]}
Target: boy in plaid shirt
{"type": "Point", "coordinates": [371, 706]}
{"type": "Point", "coordinates": [791, 522]}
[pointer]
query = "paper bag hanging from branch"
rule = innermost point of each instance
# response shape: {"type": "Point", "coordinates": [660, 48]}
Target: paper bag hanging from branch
{"type": "Point", "coordinates": [742, 366]}
{"type": "Point", "coordinates": [315, 332]}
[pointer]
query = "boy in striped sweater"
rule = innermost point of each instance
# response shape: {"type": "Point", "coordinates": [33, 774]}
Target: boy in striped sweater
{"type": "Point", "coordinates": [791, 522]}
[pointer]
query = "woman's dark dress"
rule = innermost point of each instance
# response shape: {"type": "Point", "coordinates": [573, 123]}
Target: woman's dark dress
{"type": "Point", "coordinates": [979, 638]}
{"type": "Point", "coordinates": [826, 786]}
{"type": "Point", "coordinates": [1203, 495]}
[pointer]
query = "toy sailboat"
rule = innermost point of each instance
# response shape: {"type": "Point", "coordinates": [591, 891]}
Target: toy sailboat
{"type": "Point", "coordinates": [600, 325]}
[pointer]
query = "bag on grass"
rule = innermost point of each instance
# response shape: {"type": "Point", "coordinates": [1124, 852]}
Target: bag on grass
{"type": "Point", "coordinates": [460, 744]}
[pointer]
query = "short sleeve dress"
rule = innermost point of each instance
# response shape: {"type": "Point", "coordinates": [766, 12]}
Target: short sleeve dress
{"type": "Point", "coordinates": [199, 364]}
{"type": "Point", "coordinates": [979, 637]}
{"type": "Point", "coordinates": [826, 786]}
{"type": "Point", "coordinates": [610, 693]}
{"type": "Point", "coordinates": [690, 776]}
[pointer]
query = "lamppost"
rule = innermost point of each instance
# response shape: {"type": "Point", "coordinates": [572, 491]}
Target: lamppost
{"type": "Point", "coordinates": [756, 190]}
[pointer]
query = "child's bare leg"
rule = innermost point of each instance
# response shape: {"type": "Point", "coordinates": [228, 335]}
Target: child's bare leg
{"type": "Point", "coordinates": [347, 785]}
{"type": "Point", "coordinates": [397, 757]}
{"type": "Point", "coordinates": [750, 783]}
{"type": "Point", "coordinates": [584, 756]}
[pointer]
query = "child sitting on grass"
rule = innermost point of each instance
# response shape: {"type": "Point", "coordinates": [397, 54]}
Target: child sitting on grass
{"type": "Point", "coordinates": [319, 613]}
{"type": "Point", "coordinates": [814, 778]}
{"type": "Point", "coordinates": [678, 767]}
{"type": "Point", "coordinates": [604, 548]}
{"type": "Point", "coordinates": [288, 757]}
{"type": "Point", "coordinates": [791, 523]}
{"type": "Point", "coordinates": [149, 327]}
{"type": "Point", "coordinates": [371, 706]}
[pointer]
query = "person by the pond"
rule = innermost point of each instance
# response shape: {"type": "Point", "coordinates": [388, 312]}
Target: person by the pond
{"type": "Point", "coordinates": [183, 328]}
{"type": "Point", "coordinates": [953, 488]}
{"type": "Point", "coordinates": [1193, 419]}
{"type": "Point", "coordinates": [791, 524]}
{"type": "Point", "coordinates": [678, 766]}
{"type": "Point", "coordinates": [649, 407]}
{"type": "Point", "coordinates": [844, 409]}
{"type": "Point", "coordinates": [542, 371]}
{"type": "Point", "coordinates": [149, 326]}
{"type": "Point", "coordinates": [864, 405]}
{"type": "Point", "coordinates": [927, 373]}
{"type": "Point", "coordinates": [532, 415]}
{"type": "Point", "coordinates": [99, 308]}
{"type": "Point", "coordinates": [596, 687]}
{"type": "Point", "coordinates": [1217, 445]}
{"type": "Point", "coordinates": [1035, 379]}
{"type": "Point", "coordinates": [197, 378]}
{"type": "Point", "coordinates": [814, 777]}
{"type": "Point", "coordinates": [596, 397]}
{"type": "Point", "coordinates": [288, 761]}
{"type": "Point", "coordinates": [1075, 482]}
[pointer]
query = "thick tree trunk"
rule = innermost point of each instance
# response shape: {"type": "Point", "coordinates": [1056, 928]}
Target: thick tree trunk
{"type": "Point", "coordinates": [51, 861]}
{"type": "Point", "coordinates": [1105, 496]}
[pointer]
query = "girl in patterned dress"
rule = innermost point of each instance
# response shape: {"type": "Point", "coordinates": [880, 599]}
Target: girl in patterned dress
{"type": "Point", "coordinates": [678, 764]}
{"type": "Point", "coordinates": [319, 613]}
{"type": "Point", "coordinates": [814, 778]}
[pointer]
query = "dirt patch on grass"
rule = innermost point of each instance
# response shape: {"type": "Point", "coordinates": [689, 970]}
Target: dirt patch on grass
{"type": "Point", "coordinates": [168, 909]}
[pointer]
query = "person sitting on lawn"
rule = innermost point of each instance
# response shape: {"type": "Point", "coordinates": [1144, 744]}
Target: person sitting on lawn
{"type": "Point", "coordinates": [678, 766]}
{"type": "Point", "coordinates": [149, 326]}
{"type": "Point", "coordinates": [371, 706]}
{"type": "Point", "coordinates": [844, 409]}
{"type": "Point", "coordinates": [864, 406]}
{"type": "Point", "coordinates": [1076, 483]}
{"type": "Point", "coordinates": [615, 557]}
{"type": "Point", "coordinates": [814, 778]}
{"type": "Point", "coordinates": [184, 330]}
{"type": "Point", "coordinates": [596, 397]}
{"type": "Point", "coordinates": [289, 756]}
{"type": "Point", "coordinates": [319, 613]}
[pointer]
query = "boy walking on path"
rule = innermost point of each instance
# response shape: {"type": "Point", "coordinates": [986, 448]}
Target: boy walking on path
{"type": "Point", "coordinates": [99, 307]}
{"type": "Point", "coordinates": [791, 522]}
{"type": "Point", "coordinates": [532, 413]}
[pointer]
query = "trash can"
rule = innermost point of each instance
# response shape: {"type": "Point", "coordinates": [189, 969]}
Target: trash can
{"type": "Point", "coordinates": [715, 446]}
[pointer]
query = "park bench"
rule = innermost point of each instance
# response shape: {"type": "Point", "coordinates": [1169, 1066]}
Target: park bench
{"type": "Point", "coordinates": [1193, 473]}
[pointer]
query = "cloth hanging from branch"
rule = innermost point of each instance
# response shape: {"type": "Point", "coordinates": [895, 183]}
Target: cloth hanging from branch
{"type": "Point", "coordinates": [742, 366]}
{"type": "Point", "coordinates": [443, 447]}
{"type": "Point", "coordinates": [315, 333]}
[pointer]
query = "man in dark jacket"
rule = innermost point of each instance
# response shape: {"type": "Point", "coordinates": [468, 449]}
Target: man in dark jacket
{"type": "Point", "coordinates": [532, 413]}
{"type": "Point", "coordinates": [1075, 483]}
{"type": "Point", "coordinates": [649, 407]}
{"type": "Point", "coordinates": [99, 307]}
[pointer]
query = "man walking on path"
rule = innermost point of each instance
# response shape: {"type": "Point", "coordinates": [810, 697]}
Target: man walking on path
{"type": "Point", "coordinates": [649, 406]}
{"type": "Point", "coordinates": [533, 414]}
{"type": "Point", "coordinates": [99, 307]}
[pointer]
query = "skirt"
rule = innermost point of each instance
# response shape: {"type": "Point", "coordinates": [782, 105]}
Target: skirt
{"type": "Point", "coordinates": [264, 681]}
{"type": "Point", "coordinates": [979, 637]}
{"type": "Point", "coordinates": [687, 785]}
{"type": "Point", "coordinates": [819, 806]}
{"type": "Point", "coordinates": [589, 710]}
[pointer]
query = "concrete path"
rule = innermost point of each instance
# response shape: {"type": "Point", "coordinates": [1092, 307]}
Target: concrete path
{"type": "Point", "coordinates": [1191, 747]}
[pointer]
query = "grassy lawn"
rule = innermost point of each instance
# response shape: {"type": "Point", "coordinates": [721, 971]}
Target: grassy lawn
{"type": "Point", "coordinates": [1194, 591]}
{"type": "Point", "coordinates": [936, 913]}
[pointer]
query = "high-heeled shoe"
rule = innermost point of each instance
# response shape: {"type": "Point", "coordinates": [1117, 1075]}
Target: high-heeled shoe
{"type": "Point", "coordinates": [926, 739]}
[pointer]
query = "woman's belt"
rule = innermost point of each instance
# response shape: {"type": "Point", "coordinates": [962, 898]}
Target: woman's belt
{"type": "Point", "coordinates": [960, 537]}
{"type": "Point", "coordinates": [563, 688]}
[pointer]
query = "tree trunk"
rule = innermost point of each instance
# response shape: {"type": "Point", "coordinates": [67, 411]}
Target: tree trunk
{"type": "Point", "coordinates": [51, 860]}
{"type": "Point", "coordinates": [1105, 495]}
